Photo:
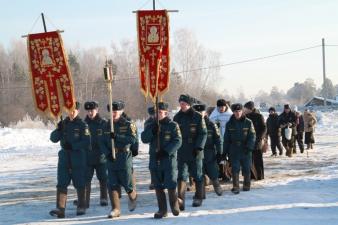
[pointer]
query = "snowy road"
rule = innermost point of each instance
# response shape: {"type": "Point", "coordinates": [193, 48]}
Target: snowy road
{"type": "Point", "coordinates": [300, 190]}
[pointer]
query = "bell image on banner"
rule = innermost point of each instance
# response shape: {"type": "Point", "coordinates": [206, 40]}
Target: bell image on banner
{"type": "Point", "coordinates": [52, 83]}
{"type": "Point", "coordinates": [154, 60]}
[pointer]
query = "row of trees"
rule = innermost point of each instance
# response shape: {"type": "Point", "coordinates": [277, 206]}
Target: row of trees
{"type": "Point", "coordinates": [86, 66]}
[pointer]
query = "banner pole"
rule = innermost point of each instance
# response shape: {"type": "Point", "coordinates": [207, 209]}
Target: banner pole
{"type": "Point", "coordinates": [43, 22]}
{"type": "Point", "coordinates": [108, 76]}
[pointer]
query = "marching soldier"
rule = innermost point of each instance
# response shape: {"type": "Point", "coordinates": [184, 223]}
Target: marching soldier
{"type": "Point", "coordinates": [96, 160]}
{"type": "Point", "coordinates": [163, 158]}
{"type": "Point", "coordinates": [151, 118]}
{"type": "Point", "coordinates": [190, 154]}
{"type": "Point", "coordinates": [212, 150]}
{"type": "Point", "coordinates": [74, 137]}
{"type": "Point", "coordinates": [120, 169]}
{"type": "Point", "coordinates": [239, 142]}
{"type": "Point", "coordinates": [134, 147]}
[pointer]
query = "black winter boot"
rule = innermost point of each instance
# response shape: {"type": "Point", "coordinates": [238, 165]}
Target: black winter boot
{"type": "Point", "coordinates": [235, 183]}
{"type": "Point", "coordinates": [81, 202]}
{"type": "Point", "coordinates": [103, 193]}
{"type": "Point", "coordinates": [197, 201]}
{"type": "Point", "coordinates": [217, 187]}
{"type": "Point", "coordinates": [246, 183]}
{"type": "Point", "coordinates": [162, 204]}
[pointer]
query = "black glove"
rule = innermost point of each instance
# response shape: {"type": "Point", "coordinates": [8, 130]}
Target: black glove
{"type": "Point", "coordinates": [67, 146]}
{"type": "Point", "coordinates": [161, 154]}
{"type": "Point", "coordinates": [219, 158]}
{"type": "Point", "coordinates": [59, 126]}
{"type": "Point", "coordinates": [112, 135]}
{"type": "Point", "coordinates": [155, 129]}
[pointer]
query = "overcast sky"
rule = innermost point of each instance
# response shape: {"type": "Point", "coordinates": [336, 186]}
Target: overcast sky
{"type": "Point", "coordinates": [238, 29]}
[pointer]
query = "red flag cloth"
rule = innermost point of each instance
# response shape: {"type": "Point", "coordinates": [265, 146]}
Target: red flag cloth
{"type": "Point", "coordinates": [51, 80]}
{"type": "Point", "coordinates": [153, 40]}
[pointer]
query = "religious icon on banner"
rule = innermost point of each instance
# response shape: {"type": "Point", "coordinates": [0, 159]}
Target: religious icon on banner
{"type": "Point", "coordinates": [153, 39]}
{"type": "Point", "coordinates": [51, 79]}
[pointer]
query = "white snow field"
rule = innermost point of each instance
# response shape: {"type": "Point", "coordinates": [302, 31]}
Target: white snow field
{"type": "Point", "coordinates": [298, 190]}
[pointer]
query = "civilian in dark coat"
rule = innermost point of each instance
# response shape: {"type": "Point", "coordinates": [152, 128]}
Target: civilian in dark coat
{"type": "Point", "coordinates": [274, 132]}
{"type": "Point", "coordinates": [300, 132]}
{"type": "Point", "coordinates": [257, 169]}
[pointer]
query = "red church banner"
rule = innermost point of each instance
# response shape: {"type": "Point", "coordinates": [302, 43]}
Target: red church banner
{"type": "Point", "coordinates": [153, 40]}
{"type": "Point", "coordinates": [51, 80]}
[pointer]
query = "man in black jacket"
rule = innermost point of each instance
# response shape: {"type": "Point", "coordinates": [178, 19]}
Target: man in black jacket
{"type": "Point", "coordinates": [274, 132]}
{"type": "Point", "coordinates": [257, 169]}
{"type": "Point", "coordinates": [287, 120]}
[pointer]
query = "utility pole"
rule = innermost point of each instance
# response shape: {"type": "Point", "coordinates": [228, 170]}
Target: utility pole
{"type": "Point", "coordinates": [324, 72]}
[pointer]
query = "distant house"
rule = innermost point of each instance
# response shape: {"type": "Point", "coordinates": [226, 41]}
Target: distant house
{"type": "Point", "coordinates": [319, 101]}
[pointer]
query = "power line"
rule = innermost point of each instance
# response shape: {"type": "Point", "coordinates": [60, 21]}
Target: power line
{"type": "Point", "coordinates": [250, 60]}
{"type": "Point", "coordinates": [198, 69]}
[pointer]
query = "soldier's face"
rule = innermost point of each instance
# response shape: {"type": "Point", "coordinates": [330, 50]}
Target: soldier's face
{"type": "Point", "coordinates": [73, 114]}
{"type": "Point", "coordinates": [117, 114]}
{"type": "Point", "coordinates": [221, 109]}
{"type": "Point", "coordinates": [162, 114]}
{"type": "Point", "coordinates": [286, 110]}
{"type": "Point", "coordinates": [184, 106]}
{"type": "Point", "coordinates": [238, 114]}
{"type": "Point", "coordinates": [92, 113]}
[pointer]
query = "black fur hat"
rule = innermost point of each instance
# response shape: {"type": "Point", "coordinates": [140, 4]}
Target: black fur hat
{"type": "Point", "coordinates": [200, 107]}
{"type": "Point", "coordinates": [77, 105]}
{"type": "Point", "coordinates": [236, 106]}
{"type": "Point", "coordinates": [91, 105]}
{"type": "Point", "coordinates": [151, 110]}
{"type": "Point", "coordinates": [272, 109]}
{"type": "Point", "coordinates": [117, 105]}
{"type": "Point", "coordinates": [249, 105]}
{"type": "Point", "coordinates": [163, 106]}
{"type": "Point", "coordinates": [185, 98]}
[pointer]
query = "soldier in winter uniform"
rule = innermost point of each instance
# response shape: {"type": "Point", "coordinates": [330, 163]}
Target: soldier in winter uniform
{"type": "Point", "coordinates": [120, 169]}
{"type": "Point", "coordinates": [239, 142]}
{"type": "Point", "coordinates": [287, 119]}
{"type": "Point", "coordinates": [74, 137]}
{"type": "Point", "coordinates": [96, 160]}
{"type": "Point", "coordinates": [163, 158]}
{"type": "Point", "coordinates": [190, 154]}
{"type": "Point", "coordinates": [133, 148]}
{"type": "Point", "coordinates": [257, 169]}
{"type": "Point", "coordinates": [151, 118]}
{"type": "Point", "coordinates": [274, 132]}
{"type": "Point", "coordinates": [212, 150]}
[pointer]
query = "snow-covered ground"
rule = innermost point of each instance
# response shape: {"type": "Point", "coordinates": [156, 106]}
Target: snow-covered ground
{"type": "Point", "coordinates": [298, 190]}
